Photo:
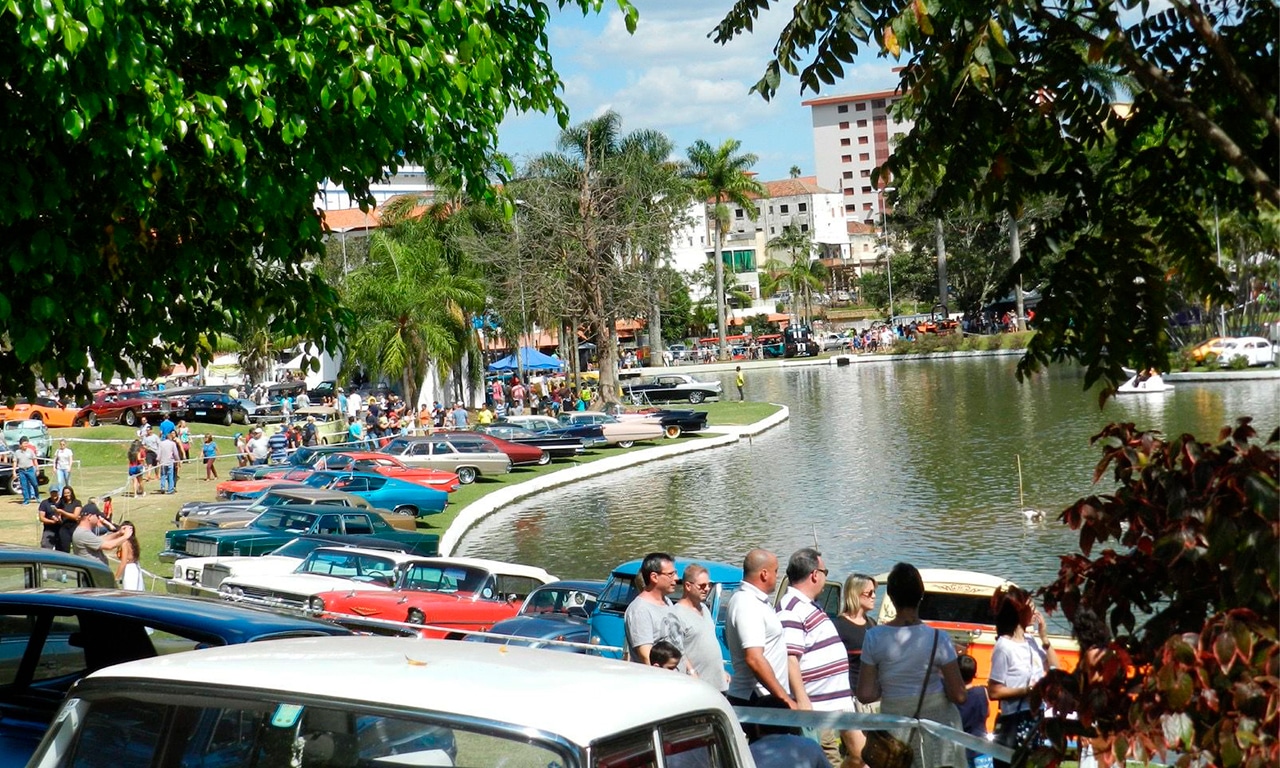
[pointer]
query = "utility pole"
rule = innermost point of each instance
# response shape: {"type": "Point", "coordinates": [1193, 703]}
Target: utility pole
{"type": "Point", "coordinates": [1015, 251]}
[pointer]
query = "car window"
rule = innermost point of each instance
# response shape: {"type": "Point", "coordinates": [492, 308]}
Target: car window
{"type": "Point", "coordinates": [346, 564]}
{"type": "Point", "coordinates": [440, 448]}
{"type": "Point", "coordinates": [329, 524]}
{"type": "Point", "coordinates": [357, 524]}
{"type": "Point", "coordinates": [518, 587]}
{"type": "Point", "coordinates": [618, 593]}
{"type": "Point", "coordinates": [60, 656]}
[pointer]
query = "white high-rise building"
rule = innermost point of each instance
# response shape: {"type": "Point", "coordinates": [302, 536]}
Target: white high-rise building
{"type": "Point", "coordinates": [852, 135]}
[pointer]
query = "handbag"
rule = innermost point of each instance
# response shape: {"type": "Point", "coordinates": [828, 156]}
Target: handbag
{"type": "Point", "coordinates": [883, 749]}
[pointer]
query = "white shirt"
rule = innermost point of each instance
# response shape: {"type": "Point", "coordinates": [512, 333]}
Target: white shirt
{"type": "Point", "coordinates": [1017, 665]}
{"type": "Point", "coordinates": [353, 404]}
{"type": "Point", "coordinates": [824, 663]}
{"type": "Point", "coordinates": [751, 622]}
{"type": "Point", "coordinates": [901, 656]}
{"type": "Point", "coordinates": [62, 459]}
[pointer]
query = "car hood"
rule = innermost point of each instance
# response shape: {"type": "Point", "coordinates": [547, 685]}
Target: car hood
{"type": "Point", "coordinates": [383, 601]}
{"type": "Point", "coordinates": [240, 566]}
{"type": "Point", "coordinates": [548, 626]}
{"type": "Point", "coordinates": [302, 583]}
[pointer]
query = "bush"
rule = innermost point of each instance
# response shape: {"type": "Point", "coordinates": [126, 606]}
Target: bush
{"type": "Point", "coordinates": [1238, 363]}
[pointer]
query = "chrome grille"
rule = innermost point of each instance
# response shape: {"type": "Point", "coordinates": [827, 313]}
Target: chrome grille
{"type": "Point", "coordinates": [201, 547]}
{"type": "Point", "coordinates": [212, 575]}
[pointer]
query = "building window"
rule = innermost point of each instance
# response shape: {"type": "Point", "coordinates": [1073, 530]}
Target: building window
{"type": "Point", "coordinates": [866, 190]}
{"type": "Point", "coordinates": [862, 139]}
{"type": "Point", "coordinates": [866, 173]}
{"type": "Point", "coordinates": [845, 142]}
{"type": "Point", "coordinates": [866, 206]}
{"type": "Point", "coordinates": [849, 191]}
{"type": "Point", "coordinates": [844, 126]}
{"type": "Point", "coordinates": [850, 208]}
{"type": "Point", "coordinates": [846, 158]}
{"type": "Point", "coordinates": [740, 261]}
{"type": "Point", "coordinates": [784, 209]}
{"type": "Point", "coordinates": [877, 104]}
{"type": "Point", "coordinates": [737, 213]}
{"type": "Point", "coordinates": [773, 231]}
{"type": "Point", "coordinates": [848, 174]}
{"type": "Point", "coordinates": [771, 210]}
{"type": "Point", "coordinates": [804, 227]}
{"type": "Point", "coordinates": [862, 106]}
{"type": "Point", "coordinates": [802, 207]}
{"type": "Point", "coordinates": [842, 108]}
{"type": "Point", "coordinates": [864, 156]}
{"type": "Point", "coordinates": [862, 123]}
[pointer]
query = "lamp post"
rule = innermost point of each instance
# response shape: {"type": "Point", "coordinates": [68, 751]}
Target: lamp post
{"type": "Point", "coordinates": [888, 254]}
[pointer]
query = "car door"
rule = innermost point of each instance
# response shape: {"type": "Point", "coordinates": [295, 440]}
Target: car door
{"type": "Point", "coordinates": [357, 524]}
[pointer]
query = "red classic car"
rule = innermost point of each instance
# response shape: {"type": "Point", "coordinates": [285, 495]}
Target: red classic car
{"type": "Point", "coordinates": [450, 596]}
{"type": "Point", "coordinates": [285, 477]}
{"type": "Point", "coordinates": [519, 453]}
{"type": "Point", "coordinates": [128, 407]}
{"type": "Point", "coordinates": [383, 464]}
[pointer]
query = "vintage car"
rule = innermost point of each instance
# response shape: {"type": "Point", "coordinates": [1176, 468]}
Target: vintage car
{"type": "Point", "coordinates": [302, 458]}
{"type": "Point", "coordinates": [367, 461]}
{"type": "Point", "coordinates": [201, 575]}
{"type": "Point", "coordinates": [331, 425]}
{"type": "Point", "coordinates": [386, 701]}
{"type": "Point", "coordinates": [237, 513]}
{"type": "Point", "coordinates": [128, 407]}
{"type": "Point", "coordinates": [519, 453]}
{"type": "Point", "coordinates": [623, 434]}
{"type": "Point", "coordinates": [449, 594]}
{"type": "Point", "coordinates": [671, 388]}
{"type": "Point", "coordinates": [554, 445]}
{"type": "Point", "coordinates": [23, 567]}
{"type": "Point", "coordinates": [401, 496]}
{"type": "Point", "coordinates": [216, 408]}
{"type": "Point", "coordinates": [591, 435]}
{"type": "Point", "coordinates": [228, 489]}
{"type": "Point", "coordinates": [278, 525]}
{"type": "Point", "coordinates": [55, 637]}
{"type": "Point", "coordinates": [607, 620]}
{"type": "Point", "coordinates": [351, 569]}
{"type": "Point", "coordinates": [468, 459]}
{"type": "Point", "coordinates": [674, 422]}
{"type": "Point", "coordinates": [1206, 349]}
{"type": "Point", "coordinates": [53, 413]}
{"type": "Point", "coordinates": [555, 613]}
{"type": "Point", "coordinates": [1254, 349]}
{"type": "Point", "coordinates": [34, 430]}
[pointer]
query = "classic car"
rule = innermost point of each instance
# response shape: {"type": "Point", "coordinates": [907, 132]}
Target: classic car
{"type": "Point", "coordinates": [555, 446]}
{"type": "Point", "coordinates": [302, 458]}
{"type": "Point", "coordinates": [675, 422]}
{"type": "Point", "coordinates": [384, 701]}
{"type": "Point", "coordinates": [1205, 349]}
{"type": "Point", "coordinates": [1254, 349]}
{"type": "Point", "coordinates": [331, 425]}
{"type": "Point", "coordinates": [671, 388]}
{"type": "Point", "coordinates": [519, 453]}
{"type": "Point", "coordinates": [53, 413]}
{"type": "Point", "coordinates": [351, 569]}
{"type": "Point", "coordinates": [623, 434]}
{"type": "Point", "coordinates": [607, 619]}
{"type": "Point", "coordinates": [23, 567]}
{"type": "Point", "coordinates": [200, 575]}
{"type": "Point", "coordinates": [216, 408]}
{"type": "Point", "coordinates": [32, 429]}
{"type": "Point", "coordinates": [236, 513]}
{"type": "Point", "coordinates": [557, 612]}
{"type": "Point", "coordinates": [55, 637]}
{"type": "Point", "coordinates": [366, 461]}
{"type": "Point", "coordinates": [590, 435]}
{"type": "Point", "coordinates": [278, 525]}
{"type": "Point", "coordinates": [128, 407]}
{"type": "Point", "coordinates": [229, 488]}
{"type": "Point", "coordinates": [401, 496]}
{"type": "Point", "coordinates": [468, 459]}
{"type": "Point", "coordinates": [449, 594]}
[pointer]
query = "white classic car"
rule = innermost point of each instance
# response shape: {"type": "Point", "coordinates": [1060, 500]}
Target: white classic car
{"type": "Point", "coordinates": [488, 706]}
{"type": "Point", "coordinates": [1255, 349]}
{"type": "Point", "coordinates": [623, 434]}
{"type": "Point", "coordinates": [324, 570]}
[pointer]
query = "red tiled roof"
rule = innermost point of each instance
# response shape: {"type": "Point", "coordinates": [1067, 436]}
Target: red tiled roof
{"type": "Point", "coordinates": [848, 98]}
{"type": "Point", "coordinates": [349, 219]}
{"type": "Point", "coordinates": [859, 228]}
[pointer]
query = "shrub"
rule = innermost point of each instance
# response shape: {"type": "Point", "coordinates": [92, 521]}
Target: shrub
{"type": "Point", "coordinates": [1238, 363]}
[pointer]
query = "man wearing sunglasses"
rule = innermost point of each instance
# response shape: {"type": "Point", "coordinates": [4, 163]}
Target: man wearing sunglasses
{"type": "Point", "coordinates": [698, 628]}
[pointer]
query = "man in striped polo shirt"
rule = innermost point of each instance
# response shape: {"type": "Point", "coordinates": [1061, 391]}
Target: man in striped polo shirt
{"type": "Point", "coordinates": [817, 663]}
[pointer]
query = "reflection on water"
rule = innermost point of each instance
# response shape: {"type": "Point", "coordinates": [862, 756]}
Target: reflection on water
{"type": "Point", "coordinates": [879, 463]}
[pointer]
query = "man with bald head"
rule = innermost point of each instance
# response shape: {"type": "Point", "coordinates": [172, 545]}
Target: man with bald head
{"type": "Point", "coordinates": [753, 632]}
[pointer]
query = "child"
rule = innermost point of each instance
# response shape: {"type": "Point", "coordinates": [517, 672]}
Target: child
{"type": "Point", "coordinates": [664, 655]}
{"type": "Point", "coordinates": [974, 710]}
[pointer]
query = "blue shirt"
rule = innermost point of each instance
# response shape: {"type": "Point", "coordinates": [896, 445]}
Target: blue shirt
{"type": "Point", "coordinates": [210, 450]}
{"type": "Point", "coordinates": [278, 445]}
{"type": "Point", "coordinates": [166, 428]}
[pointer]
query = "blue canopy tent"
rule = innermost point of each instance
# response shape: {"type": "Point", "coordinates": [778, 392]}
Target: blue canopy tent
{"type": "Point", "coordinates": [533, 361]}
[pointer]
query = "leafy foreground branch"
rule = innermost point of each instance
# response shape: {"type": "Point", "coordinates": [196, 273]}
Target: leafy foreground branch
{"type": "Point", "coordinates": [1191, 589]}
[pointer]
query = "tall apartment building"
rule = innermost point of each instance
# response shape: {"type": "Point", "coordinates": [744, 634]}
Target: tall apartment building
{"type": "Point", "coordinates": [851, 136]}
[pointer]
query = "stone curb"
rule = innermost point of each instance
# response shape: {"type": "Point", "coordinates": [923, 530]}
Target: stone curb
{"type": "Point", "coordinates": [1266, 374]}
{"type": "Point", "coordinates": [481, 508]}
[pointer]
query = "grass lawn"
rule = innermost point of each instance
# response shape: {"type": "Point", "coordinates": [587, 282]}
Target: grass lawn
{"type": "Point", "coordinates": [103, 469]}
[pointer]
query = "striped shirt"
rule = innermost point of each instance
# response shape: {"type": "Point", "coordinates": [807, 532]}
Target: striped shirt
{"type": "Point", "coordinates": [824, 664]}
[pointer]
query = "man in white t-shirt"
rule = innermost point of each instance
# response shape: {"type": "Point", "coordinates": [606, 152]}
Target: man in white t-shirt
{"type": "Point", "coordinates": [353, 405]}
{"type": "Point", "coordinates": [698, 628]}
{"type": "Point", "coordinates": [757, 647]}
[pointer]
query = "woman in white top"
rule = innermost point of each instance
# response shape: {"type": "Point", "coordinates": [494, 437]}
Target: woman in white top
{"type": "Point", "coordinates": [1018, 662]}
{"type": "Point", "coordinates": [895, 661]}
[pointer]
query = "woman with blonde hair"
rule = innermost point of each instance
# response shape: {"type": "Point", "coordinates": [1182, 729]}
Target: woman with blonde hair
{"type": "Point", "coordinates": [852, 625]}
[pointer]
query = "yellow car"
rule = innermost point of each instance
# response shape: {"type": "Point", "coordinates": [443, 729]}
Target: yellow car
{"type": "Point", "coordinates": [45, 409]}
{"type": "Point", "coordinates": [1211, 347]}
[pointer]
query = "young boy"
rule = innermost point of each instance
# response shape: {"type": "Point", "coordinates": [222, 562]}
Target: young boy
{"type": "Point", "coordinates": [974, 710]}
{"type": "Point", "coordinates": [664, 655]}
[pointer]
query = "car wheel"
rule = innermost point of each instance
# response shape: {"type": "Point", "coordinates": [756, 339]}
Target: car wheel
{"type": "Point", "coordinates": [696, 397]}
{"type": "Point", "coordinates": [244, 418]}
{"type": "Point", "coordinates": [129, 418]}
{"type": "Point", "coordinates": [93, 419]}
{"type": "Point", "coordinates": [226, 419]}
{"type": "Point", "coordinates": [38, 416]}
{"type": "Point", "coordinates": [626, 443]}
{"type": "Point", "coordinates": [15, 485]}
{"type": "Point", "coordinates": [415, 617]}
{"type": "Point", "coordinates": [467, 475]}
{"type": "Point", "coordinates": [544, 459]}
{"type": "Point", "coordinates": [673, 431]}
{"type": "Point", "coordinates": [405, 509]}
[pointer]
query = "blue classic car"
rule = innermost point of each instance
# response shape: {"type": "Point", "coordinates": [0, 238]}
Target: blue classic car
{"type": "Point", "coordinates": [402, 496]}
{"type": "Point", "coordinates": [558, 611]}
{"type": "Point", "coordinates": [55, 637]}
{"type": "Point", "coordinates": [607, 619]}
{"type": "Point", "coordinates": [302, 458]}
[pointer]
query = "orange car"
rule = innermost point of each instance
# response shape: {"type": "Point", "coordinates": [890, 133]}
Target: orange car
{"type": "Point", "coordinates": [46, 409]}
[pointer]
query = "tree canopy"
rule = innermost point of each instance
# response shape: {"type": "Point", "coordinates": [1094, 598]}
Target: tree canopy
{"type": "Point", "coordinates": [160, 161]}
{"type": "Point", "coordinates": [1138, 120]}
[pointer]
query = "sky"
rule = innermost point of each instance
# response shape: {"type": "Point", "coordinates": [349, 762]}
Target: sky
{"type": "Point", "coordinates": [669, 76]}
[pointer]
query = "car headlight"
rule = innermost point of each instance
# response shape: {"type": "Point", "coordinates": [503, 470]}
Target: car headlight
{"type": "Point", "coordinates": [595, 639]}
{"type": "Point", "coordinates": [315, 605]}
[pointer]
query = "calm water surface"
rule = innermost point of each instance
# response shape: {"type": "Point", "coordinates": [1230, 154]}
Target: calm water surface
{"type": "Point", "coordinates": [880, 462]}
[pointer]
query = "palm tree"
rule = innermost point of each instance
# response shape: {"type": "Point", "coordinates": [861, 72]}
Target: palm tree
{"type": "Point", "coordinates": [801, 273]}
{"type": "Point", "coordinates": [795, 172]}
{"type": "Point", "coordinates": [720, 176]}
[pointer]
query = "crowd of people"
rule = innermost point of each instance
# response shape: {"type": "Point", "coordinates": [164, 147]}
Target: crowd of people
{"type": "Point", "coordinates": [87, 529]}
{"type": "Point", "coordinates": [791, 655]}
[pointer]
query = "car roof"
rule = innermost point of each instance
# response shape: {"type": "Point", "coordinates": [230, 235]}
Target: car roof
{"type": "Point", "coordinates": [395, 556]}
{"type": "Point", "coordinates": [306, 492]}
{"type": "Point", "coordinates": [594, 697]}
{"type": "Point", "coordinates": [583, 585]}
{"type": "Point", "coordinates": [720, 573]}
{"type": "Point", "coordinates": [20, 553]}
{"type": "Point", "coordinates": [495, 566]}
{"type": "Point", "coordinates": [232, 622]}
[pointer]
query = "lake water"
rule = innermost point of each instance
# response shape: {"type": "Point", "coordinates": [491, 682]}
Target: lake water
{"type": "Point", "coordinates": [879, 462]}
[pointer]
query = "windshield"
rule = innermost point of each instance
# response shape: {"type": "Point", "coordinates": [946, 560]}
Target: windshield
{"type": "Point", "coordinates": [260, 728]}
{"type": "Point", "coordinates": [347, 564]}
{"type": "Point", "coordinates": [425, 577]}
{"type": "Point", "coordinates": [618, 593]}
{"type": "Point", "coordinates": [284, 521]}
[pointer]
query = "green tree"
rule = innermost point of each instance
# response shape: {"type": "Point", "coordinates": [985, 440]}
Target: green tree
{"type": "Point", "coordinates": [720, 177]}
{"type": "Point", "coordinates": [1034, 87]}
{"type": "Point", "coordinates": [160, 161]}
{"type": "Point", "coordinates": [799, 273]}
